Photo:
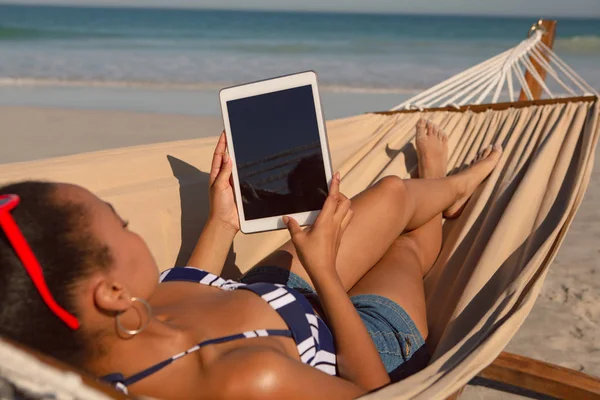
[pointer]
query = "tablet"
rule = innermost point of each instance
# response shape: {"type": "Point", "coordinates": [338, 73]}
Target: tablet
{"type": "Point", "coordinates": [277, 141]}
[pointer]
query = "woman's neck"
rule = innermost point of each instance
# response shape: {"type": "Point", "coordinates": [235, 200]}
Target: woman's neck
{"type": "Point", "coordinates": [113, 349]}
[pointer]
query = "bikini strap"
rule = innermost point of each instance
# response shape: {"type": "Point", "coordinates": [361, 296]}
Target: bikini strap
{"type": "Point", "coordinates": [195, 275]}
{"type": "Point", "coordinates": [121, 383]}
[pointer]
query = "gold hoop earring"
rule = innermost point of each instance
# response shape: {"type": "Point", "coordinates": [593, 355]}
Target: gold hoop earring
{"type": "Point", "coordinates": [133, 332]}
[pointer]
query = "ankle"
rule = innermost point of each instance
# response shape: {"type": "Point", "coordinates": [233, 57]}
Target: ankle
{"type": "Point", "coordinates": [460, 186]}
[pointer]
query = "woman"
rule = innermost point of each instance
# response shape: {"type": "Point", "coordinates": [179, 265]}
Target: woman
{"type": "Point", "coordinates": [195, 335]}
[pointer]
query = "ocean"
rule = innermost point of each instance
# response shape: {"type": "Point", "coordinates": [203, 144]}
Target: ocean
{"type": "Point", "coordinates": [201, 49]}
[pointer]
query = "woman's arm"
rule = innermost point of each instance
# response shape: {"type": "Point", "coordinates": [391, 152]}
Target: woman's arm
{"type": "Point", "coordinates": [358, 359]}
{"type": "Point", "coordinates": [223, 224]}
{"type": "Point", "coordinates": [213, 247]}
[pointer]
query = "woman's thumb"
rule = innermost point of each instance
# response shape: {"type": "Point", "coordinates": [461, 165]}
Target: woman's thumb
{"type": "Point", "coordinates": [292, 226]}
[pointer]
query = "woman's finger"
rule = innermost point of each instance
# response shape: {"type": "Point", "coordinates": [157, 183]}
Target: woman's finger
{"type": "Point", "coordinates": [346, 221]}
{"type": "Point", "coordinates": [334, 188]}
{"type": "Point", "coordinates": [342, 207]}
{"type": "Point", "coordinates": [217, 160]}
{"type": "Point", "coordinates": [293, 227]}
{"type": "Point", "coordinates": [224, 172]}
{"type": "Point", "coordinates": [332, 199]}
{"type": "Point", "coordinates": [329, 207]}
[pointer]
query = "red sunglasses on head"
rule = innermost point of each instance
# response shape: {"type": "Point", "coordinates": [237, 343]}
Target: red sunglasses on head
{"type": "Point", "coordinates": [32, 266]}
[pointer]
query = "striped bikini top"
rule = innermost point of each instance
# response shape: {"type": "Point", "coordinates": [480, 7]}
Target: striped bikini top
{"type": "Point", "coordinates": [313, 339]}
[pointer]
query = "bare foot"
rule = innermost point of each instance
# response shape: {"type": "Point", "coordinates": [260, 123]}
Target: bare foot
{"type": "Point", "coordinates": [432, 150]}
{"type": "Point", "coordinates": [469, 179]}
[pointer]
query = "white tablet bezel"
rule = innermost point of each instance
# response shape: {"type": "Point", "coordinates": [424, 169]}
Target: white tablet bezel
{"type": "Point", "coordinates": [264, 87]}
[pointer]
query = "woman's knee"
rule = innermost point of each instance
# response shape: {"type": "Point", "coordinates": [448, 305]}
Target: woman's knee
{"type": "Point", "coordinates": [392, 186]}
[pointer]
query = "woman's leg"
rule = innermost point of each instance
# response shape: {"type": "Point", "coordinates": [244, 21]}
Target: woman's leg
{"type": "Point", "coordinates": [399, 274]}
{"type": "Point", "coordinates": [387, 209]}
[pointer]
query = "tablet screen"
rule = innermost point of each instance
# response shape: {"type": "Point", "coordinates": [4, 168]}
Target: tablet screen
{"type": "Point", "coordinates": [278, 153]}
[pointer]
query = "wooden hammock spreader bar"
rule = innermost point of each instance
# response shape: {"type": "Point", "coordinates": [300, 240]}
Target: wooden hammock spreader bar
{"type": "Point", "coordinates": [549, 28]}
{"type": "Point", "coordinates": [540, 377]}
{"type": "Point", "coordinates": [494, 106]}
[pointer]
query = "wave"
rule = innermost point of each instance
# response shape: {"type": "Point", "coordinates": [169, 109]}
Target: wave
{"type": "Point", "coordinates": [7, 33]}
{"type": "Point", "coordinates": [579, 44]}
{"type": "Point", "coordinates": [279, 48]}
{"type": "Point", "coordinates": [25, 34]}
{"type": "Point", "coordinates": [40, 82]}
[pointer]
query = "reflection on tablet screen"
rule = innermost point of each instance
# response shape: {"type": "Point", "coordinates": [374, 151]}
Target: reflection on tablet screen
{"type": "Point", "coordinates": [278, 153]}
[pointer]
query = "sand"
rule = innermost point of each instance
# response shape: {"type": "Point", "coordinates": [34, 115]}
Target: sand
{"type": "Point", "coordinates": [563, 327]}
{"type": "Point", "coordinates": [34, 133]}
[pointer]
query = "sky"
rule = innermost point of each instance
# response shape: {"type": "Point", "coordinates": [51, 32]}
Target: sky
{"type": "Point", "coordinates": [536, 8]}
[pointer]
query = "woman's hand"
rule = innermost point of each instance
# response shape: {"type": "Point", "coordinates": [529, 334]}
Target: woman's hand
{"type": "Point", "coordinates": [317, 247]}
{"type": "Point", "coordinates": [222, 202]}
{"type": "Point", "coordinates": [358, 360]}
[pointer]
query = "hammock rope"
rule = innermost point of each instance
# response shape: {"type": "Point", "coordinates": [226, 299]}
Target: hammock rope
{"type": "Point", "coordinates": [488, 81]}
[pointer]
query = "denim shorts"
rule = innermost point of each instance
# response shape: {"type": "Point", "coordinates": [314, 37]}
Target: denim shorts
{"type": "Point", "coordinates": [399, 342]}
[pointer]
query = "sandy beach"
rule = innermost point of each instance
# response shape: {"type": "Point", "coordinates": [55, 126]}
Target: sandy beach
{"type": "Point", "coordinates": [562, 328]}
{"type": "Point", "coordinates": [35, 133]}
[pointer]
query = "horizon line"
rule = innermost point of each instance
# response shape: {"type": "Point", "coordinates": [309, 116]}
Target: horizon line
{"type": "Point", "coordinates": [64, 4]}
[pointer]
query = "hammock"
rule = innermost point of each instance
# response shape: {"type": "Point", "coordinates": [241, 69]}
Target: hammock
{"type": "Point", "coordinates": [531, 66]}
{"type": "Point", "coordinates": [494, 257]}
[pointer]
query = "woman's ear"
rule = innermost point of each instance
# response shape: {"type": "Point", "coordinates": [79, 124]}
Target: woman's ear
{"type": "Point", "coordinates": [111, 296]}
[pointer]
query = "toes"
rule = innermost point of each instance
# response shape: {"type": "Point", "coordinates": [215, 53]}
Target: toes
{"type": "Point", "coordinates": [479, 156]}
{"type": "Point", "coordinates": [430, 128]}
{"type": "Point", "coordinates": [482, 154]}
{"type": "Point", "coordinates": [444, 138]}
{"type": "Point", "coordinates": [487, 152]}
{"type": "Point", "coordinates": [435, 131]}
{"type": "Point", "coordinates": [421, 128]}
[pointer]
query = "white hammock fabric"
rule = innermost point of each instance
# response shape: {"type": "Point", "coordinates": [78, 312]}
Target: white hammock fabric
{"type": "Point", "coordinates": [504, 75]}
{"type": "Point", "coordinates": [38, 380]}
